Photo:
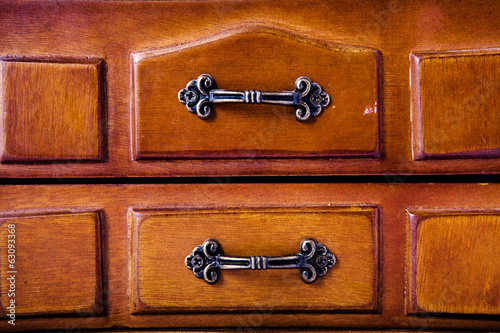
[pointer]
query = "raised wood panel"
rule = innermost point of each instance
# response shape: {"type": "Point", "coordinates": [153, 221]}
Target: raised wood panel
{"type": "Point", "coordinates": [264, 59]}
{"type": "Point", "coordinates": [57, 268]}
{"type": "Point", "coordinates": [456, 104]}
{"type": "Point", "coordinates": [52, 111]}
{"type": "Point", "coordinates": [162, 239]}
{"type": "Point", "coordinates": [454, 263]}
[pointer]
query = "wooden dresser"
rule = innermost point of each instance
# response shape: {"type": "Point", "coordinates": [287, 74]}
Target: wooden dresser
{"type": "Point", "coordinates": [149, 148]}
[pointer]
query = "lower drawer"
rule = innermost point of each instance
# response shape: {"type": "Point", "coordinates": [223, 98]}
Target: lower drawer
{"type": "Point", "coordinates": [407, 256]}
{"type": "Point", "coordinates": [163, 239]}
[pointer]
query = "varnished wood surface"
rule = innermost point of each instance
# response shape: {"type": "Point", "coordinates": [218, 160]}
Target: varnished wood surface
{"type": "Point", "coordinates": [57, 264]}
{"type": "Point", "coordinates": [394, 201]}
{"type": "Point", "coordinates": [77, 30]}
{"type": "Point", "coordinates": [351, 233]}
{"type": "Point", "coordinates": [456, 104]}
{"type": "Point", "coordinates": [52, 111]}
{"type": "Point", "coordinates": [453, 262]}
{"type": "Point", "coordinates": [265, 60]}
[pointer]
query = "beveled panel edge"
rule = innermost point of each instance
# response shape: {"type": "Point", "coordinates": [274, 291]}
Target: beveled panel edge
{"type": "Point", "coordinates": [417, 143]}
{"type": "Point", "coordinates": [98, 308]}
{"type": "Point", "coordinates": [137, 215]}
{"type": "Point", "coordinates": [456, 53]}
{"type": "Point", "coordinates": [414, 217]}
{"type": "Point", "coordinates": [416, 120]}
{"type": "Point", "coordinates": [248, 28]}
{"type": "Point", "coordinates": [101, 67]}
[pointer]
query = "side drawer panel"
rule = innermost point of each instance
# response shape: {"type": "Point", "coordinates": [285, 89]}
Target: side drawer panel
{"type": "Point", "coordinates": [52, 111]}
{"type": "Point", "coordinates": [448, 269]}
{"type": "Point", "coordinates": [456, 103]}
{"type": "Point", "coordinates": [55, 265]}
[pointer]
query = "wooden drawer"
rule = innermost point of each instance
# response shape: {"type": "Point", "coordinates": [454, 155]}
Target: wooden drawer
{"type": "Point", "coordinates": [103, 256]}
{"type": "Point", "coordinates": [160, 286]}
{"type": "Point", "coordinates": [266, 59]}
{"type": "Point", "coordinates": [411, 91]}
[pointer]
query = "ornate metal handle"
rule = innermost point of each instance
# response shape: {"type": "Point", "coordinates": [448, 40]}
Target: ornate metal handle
{"type": "Point", "coordinates": [308, 98]}
{"type": "Point", "coordinates": [314, 260]}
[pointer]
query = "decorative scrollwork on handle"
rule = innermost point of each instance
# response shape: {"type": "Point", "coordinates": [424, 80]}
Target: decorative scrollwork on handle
{"type": "Point", "coordinates": [311, 98]}
{"type": "Point", "coordinates": [308, 98]}
{"type": "Point", "coordinates": [317, 260]}
{"type": "Point", "coordinates": [202, 261]}
{"type": "Point", "coordinates": [196, 96]}
{"type": "Point", "coordinates": [207, 259]}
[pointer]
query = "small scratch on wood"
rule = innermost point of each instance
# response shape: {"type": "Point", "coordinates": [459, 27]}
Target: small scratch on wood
{"type": "Point", "coordinates": [369, 110]}
{"type": "Point", "coordinates": [484, 140]}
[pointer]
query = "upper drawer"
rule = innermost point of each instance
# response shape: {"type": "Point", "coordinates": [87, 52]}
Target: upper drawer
{"type": "Point", "coordinates": [261, 60]}
{"type": "Point", "coordinates": [101, 99]}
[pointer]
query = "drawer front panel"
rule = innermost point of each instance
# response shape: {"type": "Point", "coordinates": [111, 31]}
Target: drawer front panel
{"type": "Point", "coordinates": [262, 59]}
{"type": "Point", "coordinates": [163, 239]}
{"type": "Point", "coordinates": [55, 265]}
{"type": "Point", "coordinates": [448, 269]}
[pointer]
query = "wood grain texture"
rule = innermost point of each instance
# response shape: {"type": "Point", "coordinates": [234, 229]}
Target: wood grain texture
{"type": "Point", "coordinates": [454, 263]}
{"type": "Point", "coordinates": [256, 58]}
{"type": "Point", "coordinates": [116, 201]}
{"type": "Point", "coordinates": [52, 111]}
{"type": "Point", "coordinates": [456, 104]}
{"type": "Point", "coordinates": [162, 239]}
{"type": "Point", "coordinates": [57, 265]}
{"type": "Point", "coordinates": [76, 29]}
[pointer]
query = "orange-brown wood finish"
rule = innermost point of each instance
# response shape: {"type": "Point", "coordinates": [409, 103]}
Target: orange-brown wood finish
{"type": "Point", "coordinates": [453, 262]}
{"type": "Point", "coordinates": [455, 109]}
{"type": "Point", "coordinates": [52, 111]}
{"type": "Point", "coordinates": [351, 233]}
{"type": "Point", "coordinates": [89, 89]}
{"type": "Point", "coordinates": [119, 248]}
{"type": "Point", "coordinates": [57, 264]}
{"type": "Point", "coordinates": [396, 28]}
{"type": "Point", "coordinates": [256, 59]}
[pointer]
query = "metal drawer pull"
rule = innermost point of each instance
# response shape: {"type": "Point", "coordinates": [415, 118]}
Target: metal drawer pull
{"type": "Point", "coordinates": [308, 98]}
{"type": "Point", "coordinates": [314, 260]}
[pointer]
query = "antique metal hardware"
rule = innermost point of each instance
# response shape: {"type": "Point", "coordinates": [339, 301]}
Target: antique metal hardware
{"type": "Point", "coordinates": [314, 260]}
{"type": "Point", "coordinates": [308, 98]}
